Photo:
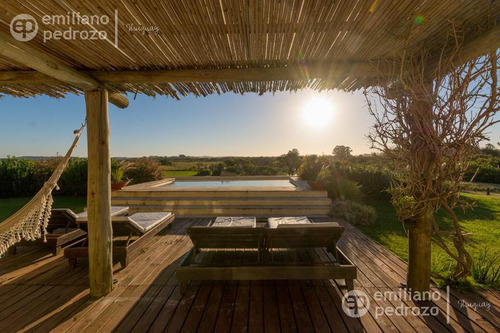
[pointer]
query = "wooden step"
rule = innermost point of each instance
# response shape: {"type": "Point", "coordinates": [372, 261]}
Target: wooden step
{"type": "Point", "coordinates": [222, 202]}
{"type": "Point", "coordinates": [219, 194]}
{"type": "Point", "coordinates": [232, 211]}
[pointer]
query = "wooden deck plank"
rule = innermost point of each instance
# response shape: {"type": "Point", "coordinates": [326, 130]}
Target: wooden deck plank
{"type": "Point", "coordinates": [225, 314]}
{"type": "Point", "coordinates": [38, 292]}
{"type": "Point", "coordinates": [270, 309]}
{"type": "Point", "coordinates": [209, 318]}
{"type": "Point", "coordinates": [195, 314]}
{"type": "Point", "coordinates": [285, 309]}
{"type": "Point", "coordinates": [241, 308]}
{"type": "Point", "coordinates": [256, 308]}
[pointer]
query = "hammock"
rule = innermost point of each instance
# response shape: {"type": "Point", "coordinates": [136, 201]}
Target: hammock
{"type": "Point", "coordinates": [30, 222]}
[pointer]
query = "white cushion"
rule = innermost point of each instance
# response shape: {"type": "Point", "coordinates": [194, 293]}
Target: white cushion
{"type": "Point", "coordinates": [147, 221]}
{"type": "Point", "coordinates": [274, 222]}
{"type": "Point", "coordinates": [115, 211]}
{"type": "Point", "coordinates": [235, 221]}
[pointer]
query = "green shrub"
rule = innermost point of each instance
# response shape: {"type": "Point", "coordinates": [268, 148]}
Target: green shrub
{"type": "Point", "coordinates": [486, 268]}
{"type": "Point", "coordinates": [22, 177]}
{"type": "Point", "coordinates": [73, 181]}
{"type": "Point", "coordinates": [311, 167]}
{"type": "Point", "coordinates": [145, 169]}
{"type": "Point", "coordinates": [17, 177]}
{"type": "Point", "coordinates": [484, 170]}
{"type": "Point", "coordinates": [204, 172]}
{"type": "Point", "coordinates": [354, 212]}
{"type": "Point", "coordinates": [339, 187]}
{"type": "Point", "coordinates": [374, 181]}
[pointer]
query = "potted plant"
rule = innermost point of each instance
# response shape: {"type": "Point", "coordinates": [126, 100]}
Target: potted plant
{"type": "Point", "coordinates": [117, 176]}
{"type": "Point", "coordinates": [316, 186]}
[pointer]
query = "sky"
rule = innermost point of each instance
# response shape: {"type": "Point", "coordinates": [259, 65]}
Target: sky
{"type": "Point", "coordinates": [217, 125]}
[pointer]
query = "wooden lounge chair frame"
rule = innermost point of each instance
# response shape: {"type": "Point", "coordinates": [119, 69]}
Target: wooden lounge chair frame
{"type": "Point", "coordinates": [123, 249]}
{"type": "Point", "coordinates": [64, 220]}
{"type": "Point", "coordinates": [340, 267]}
{"type": "Point", "coordinates": [62, 230]}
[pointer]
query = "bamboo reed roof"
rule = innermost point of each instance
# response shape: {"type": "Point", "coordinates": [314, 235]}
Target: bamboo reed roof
{"type": "Point", "coordinates": [220, 34]}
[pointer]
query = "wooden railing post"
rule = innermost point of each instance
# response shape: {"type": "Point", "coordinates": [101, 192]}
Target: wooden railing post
{"type": "Point", "coordinates": [99, 194]}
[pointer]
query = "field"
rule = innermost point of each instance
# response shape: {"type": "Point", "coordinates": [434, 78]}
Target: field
{"type": "Point", "coordinates": [184, 168]}
{"type": "Point", "coordinates": [179, 173]}
{"type": "Point", "coordinates": [483, 222]}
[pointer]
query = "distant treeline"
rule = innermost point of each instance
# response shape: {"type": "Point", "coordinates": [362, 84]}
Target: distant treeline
{"type": "Point", "coordinates": [371, 173]}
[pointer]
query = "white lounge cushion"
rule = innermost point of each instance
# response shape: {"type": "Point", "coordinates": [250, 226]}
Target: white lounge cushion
{"type": "Point", "coordinates": [274, 222]}
{"type": "Point", "coordinates": [317, 225]}
{"type": "Point", "coordinates": [147, 221]}
{"type": "Point", "coordinates": [115, 211]}
{"type": "Point", "coordinates": [66, 210]}
{"type": "Point", "coordinates": [235, 221]}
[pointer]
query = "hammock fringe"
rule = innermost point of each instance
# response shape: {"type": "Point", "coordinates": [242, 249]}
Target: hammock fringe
{"type": "Point", "coordinates": [30, 222]}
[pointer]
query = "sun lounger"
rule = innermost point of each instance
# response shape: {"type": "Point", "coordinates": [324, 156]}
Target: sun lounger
{"type": "Point", "coordinates": [130, 233]}
{"type": "Point", "coordinates": [63, 229]}
{"type": "Point", "coordinates": [274, 242]}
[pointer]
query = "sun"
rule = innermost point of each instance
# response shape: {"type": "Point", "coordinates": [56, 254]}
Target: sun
{"type": "Point", "coordinates": [318, 113]}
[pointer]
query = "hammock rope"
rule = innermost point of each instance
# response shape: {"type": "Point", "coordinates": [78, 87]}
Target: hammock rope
{"type": "Point", "coordinates": [30, 222]}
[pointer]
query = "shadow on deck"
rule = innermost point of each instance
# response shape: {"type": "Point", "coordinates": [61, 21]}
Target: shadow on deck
{"type": "Point", "coordinates": [39, 292]}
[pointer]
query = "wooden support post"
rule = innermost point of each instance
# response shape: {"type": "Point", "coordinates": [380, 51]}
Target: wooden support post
{"type": "Point", "coordinates": [419, 252]}
{"type": "Point", "coordinates": [420, 227]}
{"type": "Point", "coordinates": [99, 194]}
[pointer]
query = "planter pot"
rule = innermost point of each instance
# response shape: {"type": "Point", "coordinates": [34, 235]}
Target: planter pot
{"type": "Point", "coordinates": [316, 186]}
{"type": "Point", "coordinates": [119, 185]}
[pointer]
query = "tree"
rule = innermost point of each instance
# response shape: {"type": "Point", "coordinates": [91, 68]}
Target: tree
{"type": "Point", "coordinates": [342, 153]}
{"type": "Point", "coordinates": [429, 120]}
{"type": "Point", "coordinates": [291, 161]}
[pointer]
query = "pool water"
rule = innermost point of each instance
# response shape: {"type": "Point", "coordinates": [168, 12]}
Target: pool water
{"type": "Point", "coordinates": [234, 183]}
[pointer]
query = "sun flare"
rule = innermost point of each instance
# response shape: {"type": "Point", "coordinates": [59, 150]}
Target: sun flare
{"type": "Point", "coordinates": [318, 113]}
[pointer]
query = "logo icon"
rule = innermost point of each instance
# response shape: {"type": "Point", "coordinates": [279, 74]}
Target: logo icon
{"type": "Point", "coordinates": [355, 303]}
{"type": "Point", "coordinates": [23, 27]}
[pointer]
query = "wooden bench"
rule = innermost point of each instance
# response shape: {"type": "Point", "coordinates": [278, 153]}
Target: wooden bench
{"type": "Point", "coordinates": [271, 245]}
{"type": "Point", "coordinates": [130, 233]}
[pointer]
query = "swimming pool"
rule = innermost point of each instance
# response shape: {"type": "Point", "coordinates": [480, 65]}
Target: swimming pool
{"type": "Point", "coordinates": [233, 183]}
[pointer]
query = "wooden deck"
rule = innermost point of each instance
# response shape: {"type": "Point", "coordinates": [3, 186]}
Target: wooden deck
{"type": "Point", "coordinates": [40, 293]}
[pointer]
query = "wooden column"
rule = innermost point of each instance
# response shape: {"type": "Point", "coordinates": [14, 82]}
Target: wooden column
{"type": "Point", "coordinates": [99, 194]}
{"type": "Point", "coordinates": [420, 227]}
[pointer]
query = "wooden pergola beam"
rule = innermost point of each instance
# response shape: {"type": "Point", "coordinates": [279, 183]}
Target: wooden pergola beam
{"type": "Point", "coordinates": [293, 72]}
{"type": "Point", "coordinates": [485, 43]}
{"type": "Point", "coordinates": [22, 53]}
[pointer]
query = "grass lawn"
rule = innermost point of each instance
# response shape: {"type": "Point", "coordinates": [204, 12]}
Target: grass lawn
{"type": "Point", "coordinates": [11, 205]}
{"type": "Point", "coordinates": [179, 173]}
{"type": "Point", "coordinates": [483, 222]}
